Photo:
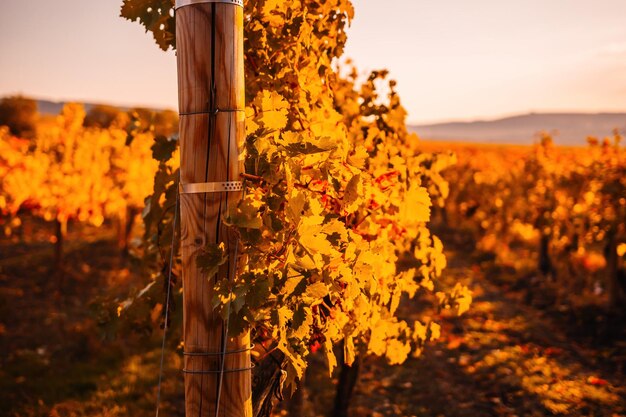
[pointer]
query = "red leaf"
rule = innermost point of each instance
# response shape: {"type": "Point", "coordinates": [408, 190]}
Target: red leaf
{"type": "Point", "coordinates": [594, 380]}
{"type": "Point", "coordinates": [553, 351]}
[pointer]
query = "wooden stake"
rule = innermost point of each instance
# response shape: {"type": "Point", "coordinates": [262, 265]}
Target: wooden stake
{"type": "Point", "coordinates": [209, 38]}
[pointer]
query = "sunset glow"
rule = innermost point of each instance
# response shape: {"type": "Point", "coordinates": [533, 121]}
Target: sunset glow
{"type": "Point", "coordinates": [453, 59]}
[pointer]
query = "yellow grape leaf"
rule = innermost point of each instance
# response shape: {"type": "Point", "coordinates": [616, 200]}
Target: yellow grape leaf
{"type": "Point", "coordinates": [348, 350]}
{"type": "Point", "coordinates": [317, 291]}
{"type": "Point", "coordinates": [351, 196]}
{"type": "Point", "coordinates": [305, 262]}
{"type": "Point", "coordinates": [416, 205]}
{"type": "Point", "coordinates": [407, 278]}
{"type": "Point", "coordinates": [462, 298]}
{"type": "Point", "coordinates": [377, 344]}
{"type": "Point", "coordinates": [440, 261]}
{"type": "Point", "coordinates": [274, 110]}
{"type": "Point", "coordinates": [351, 251]}
{"type": "Point", "coordinates": [299, 144]}
{"type": "Point", "coordinates": [463, 305]}
{"type": "Point", "coordinates": [295, 206]}
{"type": "Point", "coordinates": [272, 12]}
{"type": "Point", "coordinates": [336, 227]}
{"type": "Point", "coordinates": [397, 352]}
{"type": "Point", "coordinates": [419, 332]}
{"type": "Point", "coordinates": [251, 125]}
{"type": "Point", "coordinates": [395, 301]}
{"type": "Point", "coordinates": [330, 356]}
{"type": "Point", "coordinates": [314, 241]}
{"type": "Point", "coordinates": [291, 284]}
{"type": "Point", "coordinates": [275, 119]}
{"type": "Point", "coordinates": [302, 322]}
{"type": "Point", "coordinates": [210, 258]}
{"type": "Point", "coordinates": [296, 361]}
{"type": "Point", "coordinates": [316, 213]}
{"type": "Point", "coordinates": [245, 214]}
{"type": "Point", "coordinates": [358, 157]}
{"type": "Point", "coordinates": [284, 315]}
{"type": "Point", "coordinates": [435, 331]}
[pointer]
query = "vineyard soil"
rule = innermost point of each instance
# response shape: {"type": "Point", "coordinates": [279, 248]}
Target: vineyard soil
{"type": "Point", "coordinates": [503, 357]}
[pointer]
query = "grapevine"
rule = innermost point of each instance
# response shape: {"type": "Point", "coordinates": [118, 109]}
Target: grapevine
{"type": "Point", "coordinates": [336, 192]}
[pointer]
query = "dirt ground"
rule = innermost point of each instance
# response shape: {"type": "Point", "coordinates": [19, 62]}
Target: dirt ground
{"type": "Point", "coordinates": [502, 358]}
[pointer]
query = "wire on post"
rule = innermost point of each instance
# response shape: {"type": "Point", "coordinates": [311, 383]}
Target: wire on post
{"type": "Point", "coordinates": [167, 300]}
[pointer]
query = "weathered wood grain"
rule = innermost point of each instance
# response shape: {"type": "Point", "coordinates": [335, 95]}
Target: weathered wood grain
{"type": "Point", "coordinates": [209, 40]}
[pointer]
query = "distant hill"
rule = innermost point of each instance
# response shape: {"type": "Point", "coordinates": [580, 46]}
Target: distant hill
{"type": "Point", "coordinates": [55, 107]}
{"type": "Point", "coordinates": [570, 128]}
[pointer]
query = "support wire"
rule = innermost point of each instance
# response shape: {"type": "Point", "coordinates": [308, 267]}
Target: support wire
{"type": "Point", "coordinates": [167, 300]}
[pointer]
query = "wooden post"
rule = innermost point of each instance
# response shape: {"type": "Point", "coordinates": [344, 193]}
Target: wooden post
{"type": "Point", "coordinates": [209, 39]}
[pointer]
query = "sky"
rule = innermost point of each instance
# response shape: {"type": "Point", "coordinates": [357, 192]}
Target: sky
{"type": "Point", "coordinates": [453, 59]}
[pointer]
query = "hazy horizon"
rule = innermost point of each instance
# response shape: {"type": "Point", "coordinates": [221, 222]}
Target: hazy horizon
{"type": "Point", "coordinates": [419, 123]}
{"type": "Point", "coordinates": [453, 61]}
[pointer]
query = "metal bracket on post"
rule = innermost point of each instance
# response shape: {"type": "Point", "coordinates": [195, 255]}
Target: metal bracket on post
{"type": "Point", "coordinates": [211, 187]}
{"type": "Point", "coordinates": [183, 3]}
